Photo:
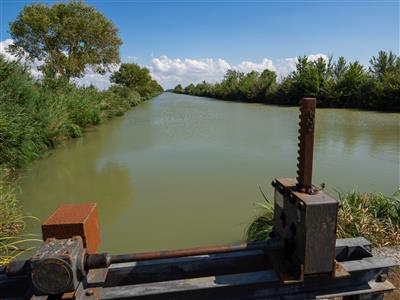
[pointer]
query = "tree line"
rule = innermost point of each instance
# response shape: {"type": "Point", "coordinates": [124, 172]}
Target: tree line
{"type": "Point", "coordinates": [337, 83]}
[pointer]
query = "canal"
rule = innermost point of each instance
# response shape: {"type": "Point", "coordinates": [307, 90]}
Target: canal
{"type": "Point", "coordinates": [183, 171]}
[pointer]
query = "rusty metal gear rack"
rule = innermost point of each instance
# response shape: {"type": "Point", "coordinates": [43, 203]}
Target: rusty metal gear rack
{"type": "Point", "coordinates": [302, 259]}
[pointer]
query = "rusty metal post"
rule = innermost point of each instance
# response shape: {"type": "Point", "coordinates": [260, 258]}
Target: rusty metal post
{"type": "Point", "coordinates": [306, 145]}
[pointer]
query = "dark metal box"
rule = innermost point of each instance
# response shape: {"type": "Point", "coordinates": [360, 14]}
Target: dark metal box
{"type": "Point", "coordinates": [307, 222]}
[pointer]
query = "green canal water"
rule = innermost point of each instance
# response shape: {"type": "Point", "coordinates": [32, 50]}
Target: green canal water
{"type": "Point", "coordinates": [182, 171]}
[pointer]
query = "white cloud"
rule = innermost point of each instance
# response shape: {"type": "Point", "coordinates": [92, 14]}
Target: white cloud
{"type": "Point", "coordinates": [3, 49]}
{"type": "Point", "coordinates": [248, 66]}
{"type": "Point", "coordinates": [171, 71]}
{"type": "Point", "coordinates": [101, 81]}
{"type": "Point", "coordinates": [10, 57]}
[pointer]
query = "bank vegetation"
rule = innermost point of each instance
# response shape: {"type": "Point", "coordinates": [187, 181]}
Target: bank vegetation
{"type": "Point", "coordinates": [339, 84]}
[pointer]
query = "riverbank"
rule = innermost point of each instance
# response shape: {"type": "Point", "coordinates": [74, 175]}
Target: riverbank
{"type": "Point", "coordinates": [36, 116]}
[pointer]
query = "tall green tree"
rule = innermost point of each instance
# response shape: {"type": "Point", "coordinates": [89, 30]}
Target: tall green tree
{"type": "Point", "coordinates": [385, 88]}
{"type": "Point", "coordinates": [67, 37]}
{"type": "Point", "coordinates": [348, 87]}
{"type": "Point", "coordinates": [383, 63]}
{"type": "Point", "coordinates": [267, 83]}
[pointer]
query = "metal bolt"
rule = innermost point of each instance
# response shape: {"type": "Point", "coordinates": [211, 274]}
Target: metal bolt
{"type": "Point", "coordinates": [382, 277]}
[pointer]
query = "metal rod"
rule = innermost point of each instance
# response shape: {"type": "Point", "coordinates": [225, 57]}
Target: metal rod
{"type": "Point", "coordinates": [306, 145]}
{"type": "Point", "coordinates": [269, 245]}
{"type": "Point", "coordinates": [94, 261]}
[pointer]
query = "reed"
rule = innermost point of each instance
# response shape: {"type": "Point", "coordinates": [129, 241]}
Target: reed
{"type": "Point", "coordinates": [13, 222]}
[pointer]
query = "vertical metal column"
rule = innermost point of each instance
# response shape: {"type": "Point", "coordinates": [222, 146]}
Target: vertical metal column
{"type": "Point", "coordinates": [306, 145]}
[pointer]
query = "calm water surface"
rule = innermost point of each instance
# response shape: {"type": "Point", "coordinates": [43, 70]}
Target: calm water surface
{"type": "Point", "coordinates": [182, 171]}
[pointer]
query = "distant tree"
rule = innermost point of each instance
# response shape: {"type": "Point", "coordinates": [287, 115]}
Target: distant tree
{"type": "Point", "coordinates": [383, 92]}
{"type": "Point", "coordinates": [67, 37]}
{"type": "Point", "coordinates": [267, 84]}
{"type": "Point", "coordinates": [339, 68]}
{"type": "Point", "coordinates": [385, 62]}
{"type": "Point", "coordinates": [229, 86]}
{"type": "Point", "coordinates": [136, 77]}
{"type": "Point", "coordinates": [178, 89]}
{"type": "Point", "coordinates": [131, 75]}
{"type": "Point", "coordinates": [348, 87]}
{"type": "Point", "coordinates": [248, 87]}
{"type": "Point", "coordinates": [190, 89]}
{"type": "Point", "coordinates": [334, 84]}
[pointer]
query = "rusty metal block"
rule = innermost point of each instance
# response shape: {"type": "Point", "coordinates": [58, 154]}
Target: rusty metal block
{"type": "Point", "coordinates": [74, 219]}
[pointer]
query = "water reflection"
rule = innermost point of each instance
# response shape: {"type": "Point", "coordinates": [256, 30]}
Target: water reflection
{"type": "Point", "coordinates": [351, 128]}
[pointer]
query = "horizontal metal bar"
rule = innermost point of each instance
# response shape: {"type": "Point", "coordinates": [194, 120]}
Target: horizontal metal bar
{"type": "Point", "coordinates": [377, 262]}
{"type": "Point", "coordinates": [255, 285]}
{"type": "Point", "coordinates": [371, 288]}
{"type": "Point", "coordinates": [269, 245]}
{"type": "Point", "coordinates": [188, 267]}
{"type": "Point", "coordinates": [217, 264]}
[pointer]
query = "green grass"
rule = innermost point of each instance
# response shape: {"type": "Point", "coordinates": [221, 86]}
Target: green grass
{"type": "Point", "coordinates": [371, 215]}
{"type": "Point", "coordinates": [12, 242]}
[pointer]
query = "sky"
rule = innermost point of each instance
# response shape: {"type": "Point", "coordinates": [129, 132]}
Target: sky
{"type": "Point", "coordinates": [188, 41]}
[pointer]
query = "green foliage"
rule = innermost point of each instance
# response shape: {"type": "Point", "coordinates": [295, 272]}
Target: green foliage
{"type": "Point", "coordinates": [178, 89]}
{"type": "Point", "coordinates": [36, 116]}
{"type": "Point", "coordinates": [261, 227]}
{"type": "Point", "coordinates": [371, 215]}
{"type": "Point", "coordinates": [12, 222]}
{"type": "Point", "coordinates": [10, 212]}
{"type": "Point", "coordinates": [67, 37]}
{"type": "Point", "coordinates": [136, 78]}
{"type": "Point", "coordinates": [334, 84]}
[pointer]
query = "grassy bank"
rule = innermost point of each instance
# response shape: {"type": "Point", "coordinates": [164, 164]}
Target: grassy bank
{"type": "Point", "coordinates": [371, 215]}
{"type": "Point", "coordinates": [35, 116]}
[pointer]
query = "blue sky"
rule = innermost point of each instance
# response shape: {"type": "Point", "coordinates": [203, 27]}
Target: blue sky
{"type": "Point", "coordinates": [237, 31]}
